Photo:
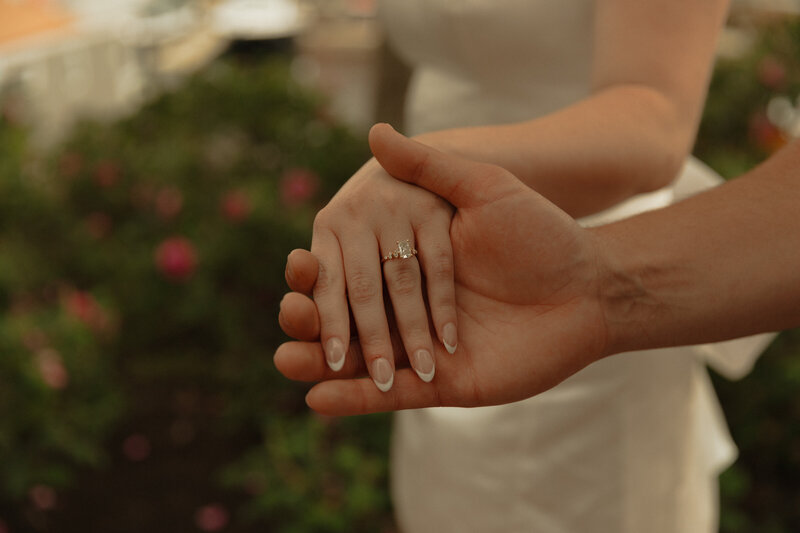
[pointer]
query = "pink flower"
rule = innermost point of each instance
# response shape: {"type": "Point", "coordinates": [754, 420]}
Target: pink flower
{"type": "Point", "coordinates": [106, 173]}
{"type": "Point", "coordinates": [771, 73]}
{"type": "Point", "coordinates": [212, 517]}
{"type": "Point", "coordinates": [169, 202]}
{"type": "Point", "coordinates": [51, 369]}
{"type": "Point", "coordinates": [136, 447]}
{"type": "Point", "coordinates": [297, 186]}
{"type": "Point", "coordinates": [236, 206]}
{"type": "Point", "coordinates": [43, 497]}
{"type": "Point", "coordinates": [81, 305]}
{"type": "Point", "coordinates": [176, 258]}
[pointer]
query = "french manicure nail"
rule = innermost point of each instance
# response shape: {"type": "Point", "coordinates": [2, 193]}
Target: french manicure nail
{"type": "Point", "coordinates": [424, 365]}
{"type": "Point", "coordinates": [334, 354]}
{"type": "Point", "coordinates": [382, 374]}
{"type": "Point", "coordinates": [449, 337]}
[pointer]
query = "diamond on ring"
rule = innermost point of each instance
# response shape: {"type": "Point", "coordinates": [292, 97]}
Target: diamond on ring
{"type": "Point", "coordinates": [404, 251]}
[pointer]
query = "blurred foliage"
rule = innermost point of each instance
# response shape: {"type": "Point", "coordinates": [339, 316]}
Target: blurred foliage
{"type": "Point", "coordinates": [735, 133]}
{"type": "Point", "coordinates": [56, 392]}
{"type": "Point", "coordinates": [761, 491]}
{"type": "Point", "coordinates": [157, 243]}
{"type": "Point", "coordinates": [318, 474]}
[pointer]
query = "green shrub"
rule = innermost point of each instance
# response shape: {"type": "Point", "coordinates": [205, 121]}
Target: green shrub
{"type": "Point", "coordinates": [157, 243]}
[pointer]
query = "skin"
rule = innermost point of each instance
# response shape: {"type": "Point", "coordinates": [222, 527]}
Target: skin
{"type": "Point", "coordinates": [633, 132]}
{"type": "Point", "coordinates": [543, 297]}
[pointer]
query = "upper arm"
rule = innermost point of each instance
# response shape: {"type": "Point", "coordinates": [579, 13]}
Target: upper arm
{"type": "Point", "coordinates": [662, 47]}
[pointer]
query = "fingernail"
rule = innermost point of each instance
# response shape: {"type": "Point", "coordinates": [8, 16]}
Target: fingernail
{"type": "Point", "coordinates": [450, 338]}
{"type": "Point", "coordinates": [424, 365]}
{"type": "Point", "coordinates": [334, 354]}
{"type": "Point", "coordinates": [382, 374]}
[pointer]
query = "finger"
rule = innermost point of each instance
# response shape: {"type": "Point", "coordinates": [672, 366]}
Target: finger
{"type": "Point", "coordinates": [343, 397]}
{"type": "Point", "coordinates": [404, 285]}
{"type": "Point", "coordinates": [461, 182]}
{"type": "Point", "coordinates": [305, 361]}
{"type": "Point", "coordinates": [298, 317]}
{"type": "Point", "coordinates": [365, 293]}
{"type": "Point", "coordinates": [436, 261]}
{"type": "Point", "coordinates": [301, 271]}
{"type": "Point", "coordinates": [331, 299]}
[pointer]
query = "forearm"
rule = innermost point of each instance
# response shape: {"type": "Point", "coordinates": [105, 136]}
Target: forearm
{"type": "Point", "coordinates": [621, 141]}
{"type": "Point", "coordinates": [651, 62]}
{"type": "Point", "coordinates": [720, 265]}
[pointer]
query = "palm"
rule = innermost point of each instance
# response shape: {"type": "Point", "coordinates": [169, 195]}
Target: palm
{"type": "Point", "coordinates": [518, 325]}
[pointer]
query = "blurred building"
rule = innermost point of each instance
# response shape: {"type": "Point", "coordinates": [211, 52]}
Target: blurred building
{"type": "Point", "coordinates": [92, 57]}
{"type": "Point", "coordinates": [69, 58]}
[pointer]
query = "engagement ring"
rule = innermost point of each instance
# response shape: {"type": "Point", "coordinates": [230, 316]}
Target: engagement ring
{"type": "Point", "coordinates": [404, 250]}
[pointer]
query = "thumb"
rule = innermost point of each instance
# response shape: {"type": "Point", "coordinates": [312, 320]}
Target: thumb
{"type": "Point", "coordinates": [461, 182]}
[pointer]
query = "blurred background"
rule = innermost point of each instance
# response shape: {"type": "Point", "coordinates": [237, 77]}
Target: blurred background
{"type": "Point", "coordinates": [158, 161]}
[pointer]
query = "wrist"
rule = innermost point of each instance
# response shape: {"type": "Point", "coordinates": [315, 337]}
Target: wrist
{"type": "Point", "coordinates": [625, 293]}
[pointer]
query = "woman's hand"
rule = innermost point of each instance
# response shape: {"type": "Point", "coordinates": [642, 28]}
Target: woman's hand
{"type": "Point", "coordinates": [526, 280]}
{"type": "Point", "coordinates": [366, 221]}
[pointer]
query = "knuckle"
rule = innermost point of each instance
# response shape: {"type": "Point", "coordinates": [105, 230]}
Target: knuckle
{"type": "Point", "coordinates": [361, 288]}
{"type": "Point", "coordinates": [440, 266]}
{"type": "Point", "coordinates": [321, 220]}
{"type": "Point", "coordinates": [330, 323]}
{"type": "Point", "coordinates": [324, 281]}
{"type": "Point", "coordinates": [372, 345]}
{"type": "Point", "coordinates": [352, 205]}
{"type": "Point", "coordinates": [492, 173]}
{"type": "Point", "coordinates": [352, 208]}
{"type": "Point", "coordinates": [383, 203]}
{"type": "Point", "coordinates": [421, 169]}
{"type": "Point", "coordinates": [430, 203]}
{"type": "Point", "coordinates": [404, 280]}
{"type": "Point", "coordinates": [416, 331]}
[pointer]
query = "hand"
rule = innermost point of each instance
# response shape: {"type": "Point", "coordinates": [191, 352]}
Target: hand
{"type": "Point", "coordinates": [362, 224]}
{"type": "Point", "coordinates": [527, 299]}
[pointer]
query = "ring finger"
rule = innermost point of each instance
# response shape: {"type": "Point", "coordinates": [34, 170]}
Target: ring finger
{"type": "Point", "coordinates": [403, 280]}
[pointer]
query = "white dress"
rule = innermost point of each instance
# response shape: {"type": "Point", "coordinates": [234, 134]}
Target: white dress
{"type": "Point", "coordinates": [631, 444]}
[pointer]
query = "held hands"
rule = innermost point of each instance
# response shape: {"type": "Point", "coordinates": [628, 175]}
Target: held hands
{"type": "Point", "coordinates": [366, 221]}
{"type": "Point", "coordinates": [526, 295]}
